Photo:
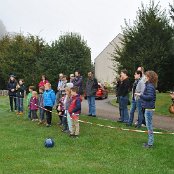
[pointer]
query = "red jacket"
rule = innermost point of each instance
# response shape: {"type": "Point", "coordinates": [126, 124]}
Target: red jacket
{"type": "Point", "coordinates": [75, 107]}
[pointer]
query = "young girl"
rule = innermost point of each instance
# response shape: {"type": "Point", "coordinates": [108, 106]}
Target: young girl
{"type": "Point", "coordinates": [11, 86]}
{"type": "Point", "coordinates": [66, 119]}
{"type": "Point", "coordinates": [148, 99]}
{"type": "Point", "coordinates": [20, 96]}
{"type": "Point", "coordinates": [31, 89]}
{"type": "Point", "coordinates": [34, 106]}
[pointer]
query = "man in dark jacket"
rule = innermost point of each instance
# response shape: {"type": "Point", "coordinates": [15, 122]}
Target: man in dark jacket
{"type": "Point", "coordinates": [78, 82]}
{"type": "Point", "coordinates": [123, 95]}
{"type": "Point", "coordinates": [91, 88]}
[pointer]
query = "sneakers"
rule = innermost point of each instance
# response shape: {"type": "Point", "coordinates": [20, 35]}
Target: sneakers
{"type": "Point", "coordinates": [48, 125]}
{"type": "Point", "coordinates": [73, 136]}
{"type": "Point", "coordinates": [147, 146]}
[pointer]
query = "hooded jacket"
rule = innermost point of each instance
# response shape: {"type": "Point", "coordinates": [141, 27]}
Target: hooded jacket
{"type": "Point", "coordinates": [49, 98]}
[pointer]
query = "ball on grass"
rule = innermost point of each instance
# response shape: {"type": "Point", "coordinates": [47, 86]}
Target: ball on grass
{"type": "Point", "coordinates": [49, 143]}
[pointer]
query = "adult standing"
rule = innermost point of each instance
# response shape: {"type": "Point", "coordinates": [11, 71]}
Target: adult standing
{"type": "Point", "coordinates": [71, 78]}
{"type": "Point", "coordinates": [148, 102]}
{"type": "Point", "coordinates": [91, 88]}
{"type": "Point", "coordinates": [140, 89]}
{"type": "Point", "coordinates": [123, 96]}
{"type": "Point", "coordinates": [11, 86]}
{"type": "Point", "coordinates": [59, 86]}
{"type": "Point", "coordinates": [43, 81]}
{"type": "Point", "coordinates": [78, 81]}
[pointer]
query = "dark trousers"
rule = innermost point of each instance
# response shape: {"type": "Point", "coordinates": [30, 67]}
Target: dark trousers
{"type": "Point", "coordinates": [12, 98]}
{"type": "Point", "coordinates": [65, 123]}
{"type": "Point", "coordinates": [48, 114]}
{"type": "Point", "coordinates": [34, 114]}
{"type": "Point", "coordinates": [143, 120]}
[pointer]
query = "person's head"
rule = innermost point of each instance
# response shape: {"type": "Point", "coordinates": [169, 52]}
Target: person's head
{"type": "Point", "coordinates": [90, 74]}
{"type": "Point", "coordinates": [64, 78]}
{"type": "Point", "coordinates": [21, 81]}
{"type": "Point", "coordinates": [77, 73]}
{"type": "Point", "coordinates": [74, 91]}
{"type": "Point", "coordinates": [151, 77]}
{"type": "Point", "coordinates": [137, 75]}
{"type": "Point", "coordinates": [43, 77]}
{"type": "Point", "coordinates": [71, 77]}
{"type": "Point", "coordinates": [124, 74]}
{"type": "Point", "coordinates": [60, 76]}
{"type": "Point", "coordinates": [47, 86]}
{"type": "Point", "coordinates": [31, 88]}
{"type": "Point", "coordinates": [41, 90]}
{"type": "Point", "coordinates": [34, 94]}
{"type": "Point", "coordinates": [68, 91]}
{"type": "Point", "coordinates": [12, 78]}
{"type": "Point", "coordinates": [140, 68]}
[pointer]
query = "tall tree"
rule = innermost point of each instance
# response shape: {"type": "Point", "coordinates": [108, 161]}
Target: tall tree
{"type": "Point", "coordinates": [148, 43]}
{"type": "Point", "coordinates": [65, 55]}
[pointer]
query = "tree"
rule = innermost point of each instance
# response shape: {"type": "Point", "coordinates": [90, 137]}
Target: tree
{"type": "Point", "coordinates": [65, 55]}
{"type": "Point", "coordinates": [148, 43]}
{"type": "Point", "coordinates": [19, 55]}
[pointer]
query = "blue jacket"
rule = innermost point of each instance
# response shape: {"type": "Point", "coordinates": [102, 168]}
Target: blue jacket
{"type": "Point", "coordinates": [49, 97]}
{"type": "Point", "coordinates": [148, 98]}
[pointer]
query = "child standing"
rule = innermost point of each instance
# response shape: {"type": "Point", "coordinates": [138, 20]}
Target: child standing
{"type": "Point", "coordinates": [31, 89]}
{"type": "Point", "coordinates": [20, 96]}
{"type": "Point", "coordinates": [34, 106]}
{"type": "Point", "coordinates": [148, 99]}
{"type": "Point", "coordinates": [66, 118]}
{"type": "Point", "coordinates": [74, 111]}
{"type": "Point", "coordinates": [61, 110]}
{"type": "Point", "coordinates": [49, 100]}
{"type": "Point", "coordinates": [41, 105]}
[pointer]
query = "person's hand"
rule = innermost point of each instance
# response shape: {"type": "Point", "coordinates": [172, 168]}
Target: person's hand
{"type": "Point", "coordinates": [137, 94]}
{"type": "Point", "coordinates": [12, 90]}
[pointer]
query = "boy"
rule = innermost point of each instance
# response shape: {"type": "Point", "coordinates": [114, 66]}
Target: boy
{"type": "Point", "coordinates": [49, 100]}
{"type": "Point", "coordinates": [20, 96]}
{"type": "Point", "coordinates": [74, 111]}
{"type": "Point", "coordinates": [31, 89]}
{"type": "Point", "coordinates": [41, 105]}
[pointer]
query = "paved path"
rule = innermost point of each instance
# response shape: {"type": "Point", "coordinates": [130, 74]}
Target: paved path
{"type": "Point", "coordinates": [107, 111]}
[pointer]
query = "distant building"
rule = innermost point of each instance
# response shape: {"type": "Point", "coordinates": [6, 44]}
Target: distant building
{"type": "Point", "coordinates": [104, 69]}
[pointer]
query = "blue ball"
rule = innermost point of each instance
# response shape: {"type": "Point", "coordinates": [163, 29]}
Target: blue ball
{"type": "Point", "coordinates": [49, 143]}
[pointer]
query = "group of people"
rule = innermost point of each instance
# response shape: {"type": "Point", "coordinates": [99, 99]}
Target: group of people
{"type": "Point", "coordinates": [143, 99]}
{"type": "Point", "coordinates": [67, 100]}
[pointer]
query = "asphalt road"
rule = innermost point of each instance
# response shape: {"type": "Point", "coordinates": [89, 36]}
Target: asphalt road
{"type": "Point", "coordinates": [107, 111]}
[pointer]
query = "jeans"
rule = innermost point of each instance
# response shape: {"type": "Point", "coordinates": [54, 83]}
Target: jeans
{"type": "Point", "coordinates": [41, 114]}
{"type": "Point", "coordinates": [12, 98]}
{"type": "Point", "coordinates": [132, 111]}
{"type": "Point", "coordinates": [29, 114]}
{"type": "Point", "coordinates": [123, 102]}
{"type": "Point", "coordinates": [148, 117]}
{"type": "Point", "coordinates": [49, 114]}
{"type": "Point", "coordinates": [140, 112]}
{"type": "Point", "coordinates": [91, 105]}
{"type": "Point", "coordinates": [64, 121]}
{"type": "Point", "coordinates": [34, 114]}
{"type": "Point", "coordinates": [19, 102]}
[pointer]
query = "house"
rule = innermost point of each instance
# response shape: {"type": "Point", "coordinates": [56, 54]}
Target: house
{"type": "Point", "coordinates": [104, 67]}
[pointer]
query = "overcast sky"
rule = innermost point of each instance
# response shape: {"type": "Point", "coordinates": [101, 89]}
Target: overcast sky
{"type": "Point", "coordinates": [98, 21]}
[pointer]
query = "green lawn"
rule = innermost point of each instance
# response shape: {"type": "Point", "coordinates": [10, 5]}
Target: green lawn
{"type": "Point", "coordinates": [98, 149]}
{"type": "Point", "coordinates": [163, 102]}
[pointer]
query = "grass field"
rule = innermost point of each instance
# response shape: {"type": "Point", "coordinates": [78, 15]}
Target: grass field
{"type": "Point", "coordinates": [163, 102]}
{"type": "Point", "coordinates": [97, 150]}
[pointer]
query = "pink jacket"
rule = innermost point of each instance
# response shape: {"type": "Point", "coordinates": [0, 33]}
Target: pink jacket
{"type": "Point", "coordinates": [42, 83]}
{"type": "Point", "coordinates": [33, 103]}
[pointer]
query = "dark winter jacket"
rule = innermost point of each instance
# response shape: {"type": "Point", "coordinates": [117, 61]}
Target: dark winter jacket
{"type": "Point", "coordinates": [78, 81]}
{"type": "Point", "coordinates": [20, 91]}
{"type": "Point", "coordinates": [124, 87]}
{"type": "Point", "coordinates": [91, 87]}
{"type": "Point", "coordinates": [148, 97]}
{"type": "Point", "coordinates": [11, 85]}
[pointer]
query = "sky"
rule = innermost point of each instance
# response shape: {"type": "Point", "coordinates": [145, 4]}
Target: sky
{"type": "Point", "coordinates": [97, 21]}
